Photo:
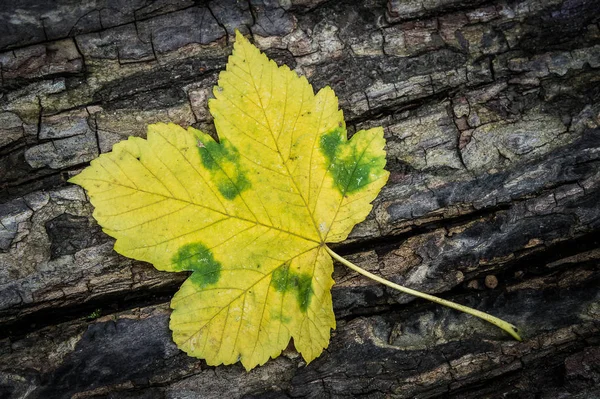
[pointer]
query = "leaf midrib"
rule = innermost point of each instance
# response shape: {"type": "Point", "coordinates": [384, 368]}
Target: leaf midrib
{"type": "Point", "coordinates": [244, 292]}
{"type": "Point", "coordinates": [256, 222]}
{"type": "Point", "coordinates": [279, 153]}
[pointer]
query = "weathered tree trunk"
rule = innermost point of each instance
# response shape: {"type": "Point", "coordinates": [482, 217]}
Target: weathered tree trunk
{"type": "Point", "coordinates": [491, 112]}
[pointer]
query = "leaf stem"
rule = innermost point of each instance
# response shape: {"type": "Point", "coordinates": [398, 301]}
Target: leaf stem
{"type": "Point", "coordinates": [509, 328]}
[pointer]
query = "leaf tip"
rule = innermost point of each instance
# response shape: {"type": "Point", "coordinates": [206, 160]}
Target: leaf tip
{"type": "Point", "coordinates": [76, 182]}
{"type": "Point", "coordinates": [74, 179]}
{"type": "Point", "coordinates": [238, 35]}
{"type": "Point", "coordinates": [240, 39]}
{"type": "Point", "coordinates": [79, 178]}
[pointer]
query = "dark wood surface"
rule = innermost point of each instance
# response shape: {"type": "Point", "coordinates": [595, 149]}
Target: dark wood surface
{"type": "Point", "coordinates": [491, 112]}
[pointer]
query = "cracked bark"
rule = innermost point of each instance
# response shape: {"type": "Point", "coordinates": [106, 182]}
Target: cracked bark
{"type": "Point", "coordinates": [491, 114]}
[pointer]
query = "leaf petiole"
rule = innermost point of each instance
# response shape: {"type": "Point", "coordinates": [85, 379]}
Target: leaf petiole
{"type": "Point", "coordinates": [509, 328]}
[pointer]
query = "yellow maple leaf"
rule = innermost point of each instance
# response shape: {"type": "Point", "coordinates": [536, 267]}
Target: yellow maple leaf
{"type": "Point", "coordinates": [249, 215]}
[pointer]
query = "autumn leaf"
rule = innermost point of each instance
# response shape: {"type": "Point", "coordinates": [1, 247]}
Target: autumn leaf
{"type": "Point", "coordinates": [249, 215]}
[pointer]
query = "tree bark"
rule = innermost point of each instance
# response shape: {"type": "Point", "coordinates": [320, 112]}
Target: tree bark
{"type": "Point", "coordinates": [491, 115]}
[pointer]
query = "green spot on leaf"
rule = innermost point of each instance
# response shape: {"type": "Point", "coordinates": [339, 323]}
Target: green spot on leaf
{"type": "Point", "coordinates": [199, 259]}
{"type": "Point", "coordinates": [284, 280]}
{"type": "Point", "coordinates": [351, 163]}
{"type": "Point", "coordinates": [280, 278]}
{"type": "Point", "coordinates": [223, 162]}
{"type": "Point", "coordinates": [330, 142]}
{"type": "Point", "coordinates": [304, 292]}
